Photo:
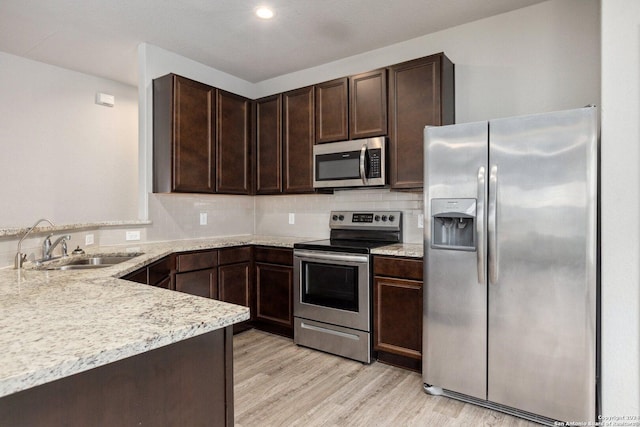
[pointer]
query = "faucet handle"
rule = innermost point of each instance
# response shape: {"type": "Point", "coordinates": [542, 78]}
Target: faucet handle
{"type": "Point", "coordinates": [20, 259]}
{"type": "Point", "coordinates": [64, 247]}
{"type": "Point", "coordinates": [46, 247]}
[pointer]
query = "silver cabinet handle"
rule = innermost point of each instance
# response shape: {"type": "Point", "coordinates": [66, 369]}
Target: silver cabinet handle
{"type": "Point", "coordinates": [480, 220]}
{"type": "Point", "coordinates": [492, 225]}
{"type": "Point", "coordinates": [363, 153]}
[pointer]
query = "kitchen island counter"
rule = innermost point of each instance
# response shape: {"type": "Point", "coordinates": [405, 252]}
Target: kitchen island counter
{"type": "Point", "coordinates": [54, 324]}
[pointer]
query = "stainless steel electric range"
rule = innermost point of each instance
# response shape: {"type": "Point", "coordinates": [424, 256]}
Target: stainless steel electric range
{"type": "Point", "coordinates": [333, 283]}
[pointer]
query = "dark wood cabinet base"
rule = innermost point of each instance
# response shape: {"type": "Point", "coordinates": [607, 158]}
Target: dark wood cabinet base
{"type": "Point", "coordinates": [400, 361]}
{"type": "Point", "coordinates": [189, 383]}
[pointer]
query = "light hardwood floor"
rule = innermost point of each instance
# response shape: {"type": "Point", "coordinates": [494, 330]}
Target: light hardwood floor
{"type": "Point", "coordinates": [280, 384]}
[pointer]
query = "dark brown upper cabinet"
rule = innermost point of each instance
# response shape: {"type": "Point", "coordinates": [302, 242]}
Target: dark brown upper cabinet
{"type": "Point", "coordinates": [298, 135]}
{"type": "Point", "coordinates": [201, 138]}
{"type": "Point", "coordinates": [352, 107]}
{"type": "Point", "coordinates": [183, 135]}
{"type": "Point", "coordinates": [268, 161]}
{"type": "Point", "coordinates": [368, 104]}
{"type": "Point", "coordinates": [421, 93]}
{"type": "Point", "coordinates": [233, 144]}
{"type": "Point", "coordinates": [332, 106]}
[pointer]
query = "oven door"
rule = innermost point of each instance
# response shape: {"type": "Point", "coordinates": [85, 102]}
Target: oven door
{"type": "Point", "coordinates": [332, 287]}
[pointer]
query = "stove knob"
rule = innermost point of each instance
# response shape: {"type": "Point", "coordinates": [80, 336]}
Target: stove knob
{"type": "Point", "coordinates": [335, 217]}
{"type": "Point", "coordinates": [384, 217]}
{"type": "Point", "coordinates": [392, 218]}
{"type": "Point", "coordinates": [377, 218]}
{"type": "Point", "coordinates": [341, 217]}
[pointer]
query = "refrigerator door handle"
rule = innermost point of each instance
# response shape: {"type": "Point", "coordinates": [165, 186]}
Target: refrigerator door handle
{"type": "Point", "coordinates": [480, 225]}
{"type": "Point", "coordinates": [492, 224]}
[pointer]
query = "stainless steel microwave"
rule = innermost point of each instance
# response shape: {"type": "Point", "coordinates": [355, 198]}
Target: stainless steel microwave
{"type": "Point", "coordinates": [356, 163]}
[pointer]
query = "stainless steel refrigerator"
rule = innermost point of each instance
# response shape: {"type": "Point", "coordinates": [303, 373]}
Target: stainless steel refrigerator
{"type": "Point", "coordinates": [511, 264]}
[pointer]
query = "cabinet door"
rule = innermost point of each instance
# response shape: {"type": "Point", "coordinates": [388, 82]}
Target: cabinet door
{"type": "Point", "coordinates": [398, 316]}
{"type": "Point", "coordinates": [269, 145]}
{"type": "Point", "coordinates": [332, 110]}
{"type": "Point", "coordinates": [420, 93]}
{"type": "Point", "coordinates": [161, 272]}
{"type": "Point", "coordinates": [138, 276]}
{"type": "Point", "coordinates": [274, 295]}
{"type": "Point", "coordinates": [183, 135]}
{"type": "Point", "coordinates": [298, 122]}
{"type": "Point", "coordinates": [202, 283]}
{"type": "Point", "coordinates": [234, 284]}
{"type": "Point", "coordinates": [368, 104]}
{"type": "Point", "coordinates": [233, 143]}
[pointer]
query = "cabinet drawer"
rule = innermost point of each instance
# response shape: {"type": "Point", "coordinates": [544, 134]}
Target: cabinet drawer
{"type": "Point", "coordinates": [234, 255]}
{"type": "Point", "coordinates": [196, 261]}
{"type": "Point", "coordinates": [273, 255]}
{"type": "Point", "coordinates": [406, 268]}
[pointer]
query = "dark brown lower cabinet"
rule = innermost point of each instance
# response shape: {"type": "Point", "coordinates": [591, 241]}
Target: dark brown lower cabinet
{"type": "Point", "coordinates": [196, 273]}
{"type": "Point", "coordinates": [203, 283]}
{"type": "Point", "coordinates": [189, 383]}
{"type": "Point", "coordinates": [397, 311]}
{"type": "Point", "coordinates": [235, 280]}
{"type": "Point", "coordinates": [274, 290]}
{"type": "Point", "coordinates": [160, 273]}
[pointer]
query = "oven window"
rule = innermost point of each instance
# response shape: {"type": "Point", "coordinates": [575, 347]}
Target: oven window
{"type": "Point", "coordinates": [330, 285]}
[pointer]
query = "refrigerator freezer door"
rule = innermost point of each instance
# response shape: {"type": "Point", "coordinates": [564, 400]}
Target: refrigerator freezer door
{"type": "Point", "coordinates": [542, 284]}
{"type": "Point", "coordinates": [455, 297]}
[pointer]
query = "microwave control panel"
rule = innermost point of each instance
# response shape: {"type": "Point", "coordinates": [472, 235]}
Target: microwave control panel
{"type": "Point", "coordinates": [375, 163]}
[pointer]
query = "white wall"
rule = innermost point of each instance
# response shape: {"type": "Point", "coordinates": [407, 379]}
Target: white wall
{"type": "Point", "coordinates": [64, 157]}
{"type": "Point", "coordinates": [536, 59]}
{"type": "Point", "coordinates": [621, 208]}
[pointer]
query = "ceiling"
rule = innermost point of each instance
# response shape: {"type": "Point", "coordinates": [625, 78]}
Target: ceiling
{"type": "Point", "coordinates": [100, 37]}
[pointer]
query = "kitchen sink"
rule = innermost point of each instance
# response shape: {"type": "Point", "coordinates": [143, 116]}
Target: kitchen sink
{"type": "Point", "coordinates": [95, 261]}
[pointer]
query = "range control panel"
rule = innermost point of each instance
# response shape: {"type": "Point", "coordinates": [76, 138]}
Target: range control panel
{"type": "Point", "coordinates": [366, 220]}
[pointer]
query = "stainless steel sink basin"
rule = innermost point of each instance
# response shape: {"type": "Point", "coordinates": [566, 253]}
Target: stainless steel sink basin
{"type": "Point", "coordinates": [97, 261]}
{"type": "Point", "coordinates": [101, 260]}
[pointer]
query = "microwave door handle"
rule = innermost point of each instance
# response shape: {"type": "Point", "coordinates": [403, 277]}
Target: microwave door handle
{"type": "Point", "coordinates": [363, 153]}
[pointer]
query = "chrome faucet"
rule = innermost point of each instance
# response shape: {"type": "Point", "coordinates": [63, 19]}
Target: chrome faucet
{"type": "Point", "coordinates": [20, 257]}
{"type": "Point", "coordinates": [48, 247]}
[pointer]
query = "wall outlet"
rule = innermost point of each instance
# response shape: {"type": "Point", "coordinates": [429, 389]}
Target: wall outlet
{"type": "Point", "coordinates": [88, 239]}
{"type": "Point", "coordinates": [132, 235]}
{"type": "Point", "coordinates": [203, 218]}
{"type": "Point", "coordinates": [292, 218]}
{"type": "Point", "coordinates": [420, 220]}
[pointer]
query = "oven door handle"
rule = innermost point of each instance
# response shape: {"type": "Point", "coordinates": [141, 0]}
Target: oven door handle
{"type": "Point", "coordinates": [312, 256]}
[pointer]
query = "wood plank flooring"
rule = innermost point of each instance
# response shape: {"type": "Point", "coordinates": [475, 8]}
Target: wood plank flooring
{"type": "Point", "coordinates": [280, 384]}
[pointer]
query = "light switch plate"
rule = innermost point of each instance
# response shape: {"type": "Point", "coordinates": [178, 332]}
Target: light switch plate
{"type": "Point", "coordinates": [292, 218]}
{"type": "Point", "coordinates": [203, 218]}
{"type": "Point", "coordinates": [88, 239]}
{"type": "Point", "coordinates": [420, 220]}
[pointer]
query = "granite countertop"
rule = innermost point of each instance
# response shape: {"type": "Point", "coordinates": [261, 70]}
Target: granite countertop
{"type": "Point", "coordinates": [54, 324]}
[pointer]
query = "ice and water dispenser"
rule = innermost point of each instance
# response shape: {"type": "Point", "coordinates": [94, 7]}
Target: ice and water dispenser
{"type": "Point", "coordinates": [453, 224]}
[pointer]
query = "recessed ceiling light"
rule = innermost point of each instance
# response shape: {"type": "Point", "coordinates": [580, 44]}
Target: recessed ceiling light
{"type": "Point", "coordinates": [264, 12]}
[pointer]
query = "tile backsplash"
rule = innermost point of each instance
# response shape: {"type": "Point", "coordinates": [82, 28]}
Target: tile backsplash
{"type": "Point", "coordinates": [177, 217]}
{"type": "Point", "coordinates": [311, 211]}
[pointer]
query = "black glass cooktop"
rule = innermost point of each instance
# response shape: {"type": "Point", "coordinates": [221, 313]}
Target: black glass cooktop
{"type": "Point", "coordinates": [341, 245]}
